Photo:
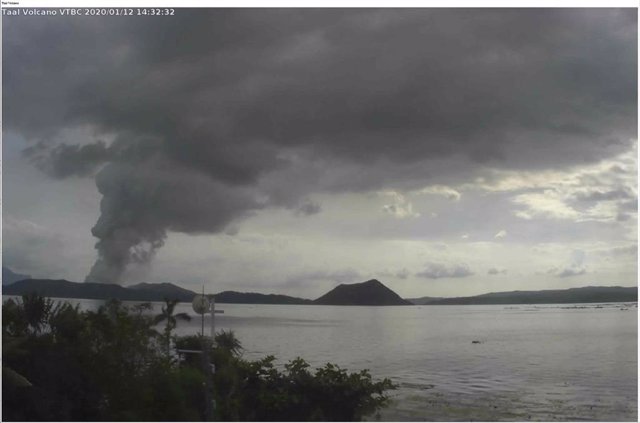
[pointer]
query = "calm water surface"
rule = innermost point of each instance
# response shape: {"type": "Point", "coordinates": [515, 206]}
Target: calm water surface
{"type": "Point", "coordinates": [533, 362]}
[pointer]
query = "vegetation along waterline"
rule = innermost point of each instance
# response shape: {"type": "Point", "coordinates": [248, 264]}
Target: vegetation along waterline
{"type": "Point", "coordinates": [64, 364]}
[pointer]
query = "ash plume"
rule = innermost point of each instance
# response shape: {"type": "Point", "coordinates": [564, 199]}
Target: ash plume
{"type": "Point", "coordinates": [144, 200]}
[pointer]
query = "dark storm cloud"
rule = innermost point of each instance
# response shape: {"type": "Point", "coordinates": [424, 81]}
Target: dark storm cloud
{"type": "Point", "coordinates": [64, 160]}
{"type": "Point", "coordinates": [218, 113]}
{"type": "Point", "coordinates": [405, 85]}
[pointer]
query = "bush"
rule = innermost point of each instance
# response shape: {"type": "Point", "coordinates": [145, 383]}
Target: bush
{"type": "Point", "coordinates": [61, 363]}
{"type": "Point", "coordinates": [256, 390]}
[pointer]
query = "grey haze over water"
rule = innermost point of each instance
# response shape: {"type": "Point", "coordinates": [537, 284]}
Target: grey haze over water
{"type": "Point", "coordinates": [446, 152]}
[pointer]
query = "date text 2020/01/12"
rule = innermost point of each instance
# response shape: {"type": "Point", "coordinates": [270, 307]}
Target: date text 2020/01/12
{"type": "Point", "coordinates": [88, 12]}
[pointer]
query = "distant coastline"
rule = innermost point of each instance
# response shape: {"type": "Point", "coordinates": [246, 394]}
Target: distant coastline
{"type": "Point", "coordinates": [587, 294]}
{"type": "Point", "coordinates": [370, 293]}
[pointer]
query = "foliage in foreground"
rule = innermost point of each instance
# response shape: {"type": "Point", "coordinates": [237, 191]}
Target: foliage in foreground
{"type": "Point", "coordinates": [61, 363]}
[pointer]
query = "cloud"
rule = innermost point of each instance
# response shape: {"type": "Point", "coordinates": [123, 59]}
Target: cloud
{"type": "Point", "coordinates": [447, 192]}
{"type": "Point", "coordinates": [477, 119]}
{"type": "Point", "coordinates": [219, 113]}
{"type": "Point", "coordinates": [401, 209]}
{"type": "Point", "coordinates": [578, 257]}
{"type": "Point", "coordinates": [630, 250]}
{"type": "Point", "coordinates": [402, 274]}
{"type": "Point", "coordinates": [337, 276]}
{"type": "Point", "coordinates": [567, 272]}
{"type": "Point", "coordinates": [30, 248]}
{"type": "Point", "coordinates": [547, 204]}
{"type": "Point", "coordinates": [438, 271]}
{"type": "Point", "coordinates": [596, 195]}
{"type": "Point", "coordinates": [65, 160]}
{"type": "Point", "coordinates": [576, 266]}
{"type": "Point", "coordinates": [601, 192]}
{"type": "Point", "coordinates": [501, 234]}
{"type": "Point", "coordinates": [308, 208]}
{"type": "Point", "coordinates": [496, 271]}
{"type": "Point", "coordinates": [399, 274]}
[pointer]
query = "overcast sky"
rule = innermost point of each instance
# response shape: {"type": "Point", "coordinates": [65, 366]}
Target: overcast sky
{"type": "Point", "coordinates": [445, 152]}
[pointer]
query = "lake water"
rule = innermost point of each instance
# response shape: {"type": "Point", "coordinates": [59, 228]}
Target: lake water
{"type": "Point", "coordinates": [533, 362]}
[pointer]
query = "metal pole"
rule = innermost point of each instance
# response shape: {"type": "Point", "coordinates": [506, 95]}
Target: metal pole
{"type": "Point", "coordinates": [208, 409]}
{"type": "Point", "coordinates": [202, 315]}
{"type": "Point", "coordinates": [213, 320]}
{"type": "Point", "coordinates": [213, 341]}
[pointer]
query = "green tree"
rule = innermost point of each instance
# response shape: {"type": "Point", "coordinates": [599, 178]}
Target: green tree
{"type": "Point", "coordinates": [258, 391]}
{"type": "Point", "coordinates": [226, 340]}
{"type": "Point", "coordinates": [171, 319]}
{"type": "Point", "coordinates": [13, 320]}
{"type": "Point", "coordinates": [66, 322]}
{"type": "Point", "coordinates": [36, 309]}
{"type": "Point", "coordinates": [66, 364]}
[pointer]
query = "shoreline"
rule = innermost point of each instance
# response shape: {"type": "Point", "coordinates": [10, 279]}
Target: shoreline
{"type": "Point", "coordinates": [434, 405]}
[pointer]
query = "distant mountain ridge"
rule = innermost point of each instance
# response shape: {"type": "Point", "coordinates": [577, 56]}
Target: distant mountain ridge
{"type": "Point", "coordinates": [9, 276]}
{"type": "Point", "coordinates": [588, 294]}
{"type": "Point", "coordinates": [140, 292]}
{"type": "Point", "coordinates": [168, 290]}
{"type": "Point", "coordinates": [372, 292]}
{"type": "Point", "coordinates": [369, 293]}
{"type": "Point", "coordinates": [96, 291]}
{"type": "Point", "coordinates": [233, 297]}
{"type": "Point", "coordinates": [423, 300]}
